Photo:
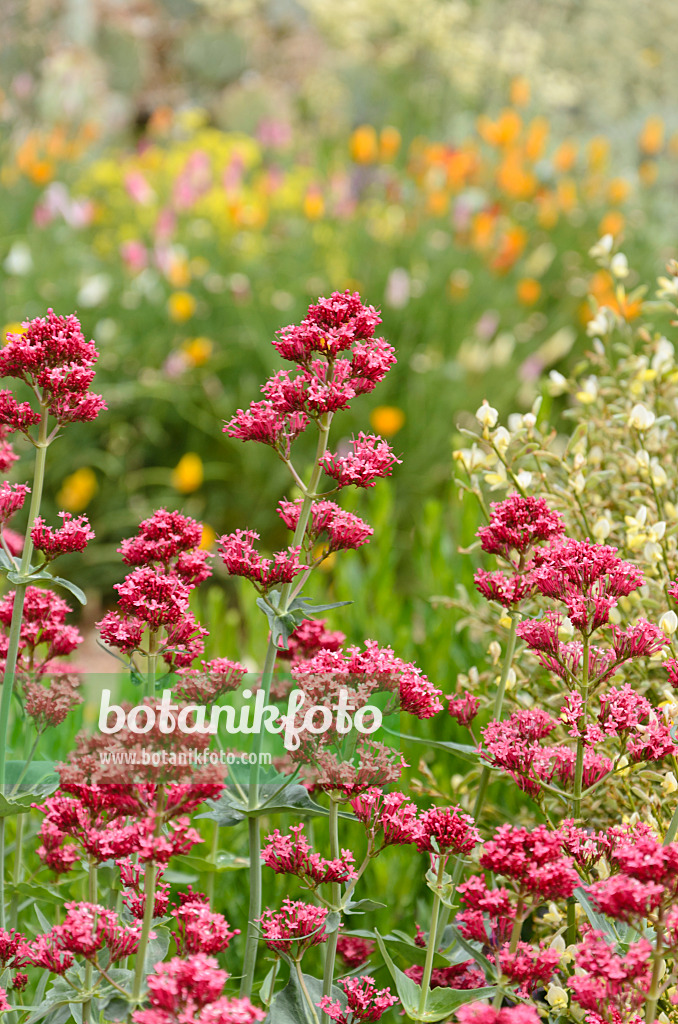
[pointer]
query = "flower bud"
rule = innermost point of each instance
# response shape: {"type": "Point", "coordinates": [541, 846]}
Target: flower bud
{"type": "Point", "coordinates": [619, 265]}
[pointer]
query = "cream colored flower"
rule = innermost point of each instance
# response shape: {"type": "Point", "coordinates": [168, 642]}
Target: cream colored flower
{"type": "Point", "coordinates": [486, 415]}
{"type": "Point", "coordinates": [641, 417]}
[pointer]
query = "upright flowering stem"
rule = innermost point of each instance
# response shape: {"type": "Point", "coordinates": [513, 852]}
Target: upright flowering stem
{"type": "Point", "coordinates": [335, 899]}
{"type": "Point", "coordinates": [252, 937]}
{"type": "Point", "coordinates": [579, 774]}
{"type": "Point", "coordinates": [18, 865]}
{"type": "Point", "coordinates": [484, 780]}
{"type": "Point", "coordinates": [152, 662]}
{"type": "Point", "coordinates": [15, 629]}
{"type": "Point", "coordinates": [513, 944]}
{"type": "Point", "coordinates": [657, 966]}
{"type": "Point", "coordinates": [150, 882]}
{"type": "Point", "coordinates": [20, 593]}
{"type": "Point", "coordinates": [89, 970]}
{"type": "Point", "coordinates": [432, 940]}
{"type": "Point", "coordinates": [498, 708]}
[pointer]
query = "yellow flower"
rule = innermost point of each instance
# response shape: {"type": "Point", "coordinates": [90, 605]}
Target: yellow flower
{"type": "Point", "coordinates": [363, 145]}
{"type": "Point", "coordinates": [528, 291]}
{"type": "Point", "coordinates": [188, 474]}
{"type": "Point", "coordinates": [181, 306]}
{"type": "Point", "coordinates": [618, 190]}
{"type": "Point", "coordinates": [565, 156]}
{"type": "Point", "coordinates": [389, 143]}
{"type": "Point", "coordinates": [208, 536]}
{"type": "Point", "coordinates": [612, 223]}
{"type": "Point", "coordinates": [647, 172]}
{"type": "Point", "coordinates": [651, 139]}
{"type": "Point", "coordinates": [77, 490]}
{"type": "Point", "coordinates": [179, 272]}
{"type": "Point", "coordinates": [598, 153]}
{"type": "Point", "coordinates": [13, 328]}
{"type": "Point", "coordinates": [387, 420]}
{"type": "Point", "coordinates": [314, 204]}
{"type": "Point", "coordinates": [198, 350]}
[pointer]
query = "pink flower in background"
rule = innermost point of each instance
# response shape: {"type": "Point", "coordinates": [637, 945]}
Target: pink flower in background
{"type": "Point", "coordinates": [201, 931]}
{"type": "Point", "coordinates": [463, 707]}
{"type": "Point", "coordinates": [134, 255]}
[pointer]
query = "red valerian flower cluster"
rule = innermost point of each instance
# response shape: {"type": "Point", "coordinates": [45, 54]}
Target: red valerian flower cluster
{"type": "Point", "coordinates": [53, 358]}
{"type": "Point", "coordinates": [206, 684]}
{"type": "Point", "coordinates": [370, 459]}
{"type": "Point", "coordinates": [354, 950]}
{"type": "Point", "coordinates": [155, 595]}
{"type": "Point", "coordinates": [241, 558]}
{"type": "Point", "coordinates": [482, 1013]}
{"type": "Point", "coordinates": [74, 535]}
{"type": "Point", "coordinates": [190, 991]}
{"type": "Point", "coordinates": [294, 928]}
{"type": "Point", "coordinates": [324, 380]}
{"type": "Point", "coordinates": [341, 529]}
{"type": "Point", "coordinates": [389, 818]}
{"type": "Point", "coordinates": [199, 930]}
{"type": "Point", "coordinates": [445, 830]}
{"type": "Point", "coordinates": [516, 529]}
{"type": "Point", "coordinates": [44, 633]}
{"type": "Point", "coordinates": [364, 1001]}
{"type": "Point", "coordinates": [88, 929]}
{"type": "Point", "coordinates": [49, 706]}
{"type": "Point", "coordinates": [12, 498]}
{"type": "Point", "coordinates": [292, 855]}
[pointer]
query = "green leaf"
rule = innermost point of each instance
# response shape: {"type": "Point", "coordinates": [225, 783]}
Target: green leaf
{"type": "Point", "coordinates": [598, 921]}
{"type": "Point", "coordinates": [156, 949]}
{"type": "Point", "coordinates": [230, 809]}
{"type": "Point", "coordinates": [332, 921]}
{"type": "Point", "coordinates": [33, 891]}
{"type": "Point", "coordinates": [441, 1002]}
{"type": "Point", "coordinates": [462, 750]}
{"type": "Point", "coordinates": [408, 991]}
{"type": "Point", "coordinates": [290, 1005]}
{"type": "Point", "coordinates": [6, 564]}
{"type": "Point", "coordinates": [116, 1008]}
{"type": "Point", "coordinates": [362, 906]}
{"type": "Point", "coordinates": [77, 593]}
{"type": "Point", "coordinates": [301, 603]}
{"type": "Point", "coordinates": [414, 954]}
{"type": "Point", "coordinates": [225, 862]}
{"type": "Point", "coordinates": [38, 774]}
{"type": "Point", "coordinates": [18, 804]}
{"type": "Point", "coordinates": [488, 968]}
{"type": "Point", "coordinates": [49, 1005]}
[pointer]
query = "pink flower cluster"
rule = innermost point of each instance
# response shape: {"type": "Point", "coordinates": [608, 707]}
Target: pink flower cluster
{"type": "Point", "coordinates": [342, 529]}
{"type": "Point", "coordinates": [189, 991]}
{"type": "Point", "coordinates": [517, 526]}
{"type": "Point", "coordinates": [74, 535]}
{"type": "Point", "coordinates": [354, 950]}
{"type": "Point", "coordinates": [292, 855]}
{"type": "Point", "coordinates": [12, 498]}
{"type": "Point", "coordinates": [364, 1001]}
{"type": "Point", "coordinates": [87, 929]}
{"type": "Point", "coordinates": [53, 358]}
{"type": "Point", "coordinates": [374, 668]}
{"type": "Point", "coordinates": [370, 459]}
{"type": "Point", "coordinates": [324, 381]}
{"type": "Point", "coordinates": [49, 706]}
{"type": "Point", "coordinates": [155, 595]}
{"type": "Point", "coordinates": [206, 684]}
{"type": "Point", "coordinates": [294, 928]}
{"type": "Point", "coordinates": [44, 634]}
{"type": "Point", "coordinates": [241, 558]}
{"type": "Point", "coordinates": [199, 930]}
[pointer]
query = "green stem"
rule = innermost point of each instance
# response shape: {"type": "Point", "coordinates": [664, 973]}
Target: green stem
{"type": "Point", "coordinates": [89, 969]}
{"type": "Point", "coordinates": [26, 765]}
{"type": "Point", "coordinates": [152, 663]}
{"type": "Point", "coordinates": [16, 877]}
{"type": "Point", "coordinates": [307, 997]}
{"type": "Point", "coordinates": [513, 944]}
{"type": "Point", "coordinates": [150, 882]}
{"type": "Point", "coordinates": [432, 942]}
{"type": "Point", "coordinates": [214, 851]}
{"type": "Point", "coordinates": [15, 629]}
{"type": "Point", "coordinates": [484, 780]}
{"type": "Point", "coordinates": [672, 829]}
{"type": "Point", "coordinates": [252, 937]}
{"type": "Point", "coordinates": [335, 899]}
{"type": "Point", "coordinates": [578, 777]}
{"type": "Point", "coordinates": [655, 987]}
